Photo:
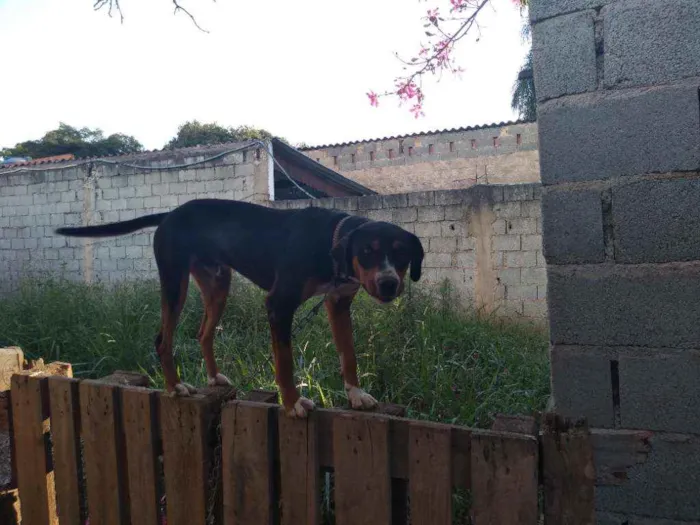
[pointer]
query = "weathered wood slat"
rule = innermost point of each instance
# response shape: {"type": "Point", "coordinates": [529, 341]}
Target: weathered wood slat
{"type": "Point", "coordinates": [504, 479]}
{"type": "Point", "coordinates": [362, 477]}
{"type": "Point", "coordinates": [461, 455]}
{"type": "Point", "coordinates": [186, 457]}
{"type": "Point", "coordinates": [247, 450]}
{"type": "Point", "coordinates": [299, 470]}
{"type": "Point", "coordinates": [35, 482]}
{"type": "Point", "coordinates": [104, 453]}
{"type": "Point", "coordinates": [568, 472]}
{"type": "Point", "coordinates": [65, 437]}
{"type": "Point", "coordinates": [140, 420]}
{"type": "Point", "coordinates": [430, 469]}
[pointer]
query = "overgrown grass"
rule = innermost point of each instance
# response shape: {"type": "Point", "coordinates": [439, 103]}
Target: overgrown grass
{"type": "Point", "coordinates": [445, 365]}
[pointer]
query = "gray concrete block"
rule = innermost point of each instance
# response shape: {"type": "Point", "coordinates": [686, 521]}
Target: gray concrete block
{"type": "Point", "coordinates": [564, 55]}
{"type": "Point", "coordinates": [370, 202]}
{"type": "Point", "coordinates": [622, 133]}
{"type": "Point", "coordinates": [573, 227]}
{"type": "Point", "coordinates": [661, 391]}
{"type": "Point", "coordinates": [421, 198]}
{"type": "Point", "coordinates": [625, 305]}
{"type": "Point", "coordinates": [657, 221]}
{"type": "Point", "coordinates": [523, 225]}
{"type": "Point", "coordinates": [611, 518]}
{"type": "Point", "coordinates": [431, 213]}
{"type": "Point", "coordinates": [531, 242]}
{"type": "Point", "coordinates": [502, 243]}
{"type": "Point", "coordinates": [400, 215]}
{"type": "Point", "coordinates": [541, 9]}
{"type": "Point", "coordinates": [509, 276]}
{"type": "Point", "coordinates": [443, 245]}
{"type": "Point", "coordinates": [507, 210]}
{"type": "Point", "coordinates": [649, 42]}
{"type": "Point", "coordinates": [664, 484]}
{"type": "Point", "coordinates": [582, 384]}
{"type": "Point", "coordinates": [438, 260]}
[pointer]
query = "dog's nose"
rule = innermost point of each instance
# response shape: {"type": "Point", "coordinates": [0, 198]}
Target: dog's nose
{"type": "Point", "coordinates": [387, 286]}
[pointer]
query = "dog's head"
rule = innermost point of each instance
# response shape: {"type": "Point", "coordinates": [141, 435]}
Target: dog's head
{"type": "Point", "coordinates": [378, 254]}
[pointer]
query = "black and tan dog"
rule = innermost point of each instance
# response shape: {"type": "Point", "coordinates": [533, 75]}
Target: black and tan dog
{"type": "Point", "coordinates": [292, 254]}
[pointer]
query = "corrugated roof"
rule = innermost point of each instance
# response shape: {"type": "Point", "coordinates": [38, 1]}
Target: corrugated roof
{"type": "Point", "coordinates": [420, 134]}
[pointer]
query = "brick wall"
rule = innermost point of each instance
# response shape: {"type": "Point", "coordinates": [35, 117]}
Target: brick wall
{"type": "Point", "coordinates": [619, 127]}
{"type": "Point", "coordinates": [505, 154]}
{"type": "Point", "coordinates": [33, 204]}
{"type": "Point", "coordinates": [486, 240]}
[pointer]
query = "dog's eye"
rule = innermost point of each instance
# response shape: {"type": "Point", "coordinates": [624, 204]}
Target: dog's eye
{"type": "Point", "coordinates": [367, 250]}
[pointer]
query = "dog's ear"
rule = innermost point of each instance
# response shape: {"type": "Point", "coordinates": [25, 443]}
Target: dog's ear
{"type": "Point", "coordinates": [417, 258]}
{"type": "Point", "coordinates": [340, 254]}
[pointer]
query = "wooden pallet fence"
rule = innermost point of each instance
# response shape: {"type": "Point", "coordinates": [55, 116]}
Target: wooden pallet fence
{"type": "Point", "coordinates": [116, 452]}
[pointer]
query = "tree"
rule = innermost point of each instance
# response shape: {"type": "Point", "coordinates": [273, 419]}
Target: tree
{"type": "Point", "coordinates": [195, 133]}
{"type": "Point", "coordinates": [84, 142]}
{"type": "Point", "coordinates": [444, 32]}
{"type": "Point", "coordinates": [524, 99]}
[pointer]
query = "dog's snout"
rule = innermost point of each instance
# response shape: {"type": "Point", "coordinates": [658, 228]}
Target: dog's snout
{"type": "Point", "coordinates": [388, 286]}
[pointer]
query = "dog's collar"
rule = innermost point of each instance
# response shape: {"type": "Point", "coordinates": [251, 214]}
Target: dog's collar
{"type": "Point", "coordinates": [337, 278]}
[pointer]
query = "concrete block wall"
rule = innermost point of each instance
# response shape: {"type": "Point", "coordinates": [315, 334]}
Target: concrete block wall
{"type": "Point", "coordinates": [34, 203]}
{"type": "Point", "coordinates": [618, 83]}
{"type": "Point", "coordinates": [499, 154]}
{"type": "Point", "coordinates": [486, 240]}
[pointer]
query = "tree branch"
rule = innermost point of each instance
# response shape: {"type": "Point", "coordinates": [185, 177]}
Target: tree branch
{"type": "Point", "coordinates": [178, 7]}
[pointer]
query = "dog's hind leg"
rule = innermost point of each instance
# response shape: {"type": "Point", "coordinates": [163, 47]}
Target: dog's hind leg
{"type": "Point", "coordinates": [214, 283]}
{"type": "Point", "coordinates": [174, 280]}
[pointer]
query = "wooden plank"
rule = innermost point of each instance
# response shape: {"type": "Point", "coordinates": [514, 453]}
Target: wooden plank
{"type": "Point", "coordinates": [104, 453]}
{"type": "Point", "coordinates": [504, 479]}
{"type": "Point", "coordinates": [139, 416]}
{"type": "Point", "coordinates": [568, 472]}
{"type": "Point", "coordinates": [362, 478]}
{"type": "Point", "coordinates": [262, 396]}
{"type": "Point", "coordinates": [462, 457]}
{"type": "Point", "coordinates": [65, 437]}
{"type": "Point", "coordinates": [247, 450]}
{"type": "Point", "coordinates": [461, 446]}
{"type": "Point", "coordinates": [185, 424]}
{"type": "Point", "coordinates": [430, 473]}
{"type": "Point", "coordinates": [34, 480]}
{"type": "Point", "coordinates": [518, 424]}
{"type": "Point", "coordinates": [299, 470]}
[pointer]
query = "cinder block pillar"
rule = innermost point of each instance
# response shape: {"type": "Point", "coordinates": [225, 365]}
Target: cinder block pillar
{"type": "Point", "coordinates": [618, 83]}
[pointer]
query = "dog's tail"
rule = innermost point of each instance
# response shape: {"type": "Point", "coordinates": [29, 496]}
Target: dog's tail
{"type": "Point", "coordinates": [113, 228]}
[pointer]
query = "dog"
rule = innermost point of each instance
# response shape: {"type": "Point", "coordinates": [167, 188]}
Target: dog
{"type": "Point", "coordinates": [291, 254]}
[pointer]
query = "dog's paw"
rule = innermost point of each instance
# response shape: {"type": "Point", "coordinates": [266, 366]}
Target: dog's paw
{"type": "Point", "coordinates": [359, 399]}
{"type": "Point", "coordinates": [183, 390]}
{"type": "Point", "coordinates": [219, 380]}
{"type": "Point", "coordinates": [301, 408]}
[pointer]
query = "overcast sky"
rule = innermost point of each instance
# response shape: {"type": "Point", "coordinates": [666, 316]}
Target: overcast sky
{"type": "Point", "coordinates": [299, 69]}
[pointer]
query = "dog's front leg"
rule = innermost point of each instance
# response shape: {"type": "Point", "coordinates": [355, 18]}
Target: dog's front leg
{"type": "Point", "coordinates": [280, 315]}
{"type": "Point", "coordinates": [341, 325]}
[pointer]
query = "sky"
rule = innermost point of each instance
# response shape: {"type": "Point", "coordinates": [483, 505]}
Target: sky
{"type": "Point", "coordinates": [300, 69]}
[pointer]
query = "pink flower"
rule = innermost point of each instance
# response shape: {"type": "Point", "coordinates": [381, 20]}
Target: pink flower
{"type": "Point", "coordinates": [417, 110]}
{"type": "Point", "coordinates": [373, 98]}
{"type": "Point", "coordinates": [458, 4]}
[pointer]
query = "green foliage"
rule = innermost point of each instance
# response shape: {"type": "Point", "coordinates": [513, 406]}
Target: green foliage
{"type": "Point", "coordinates": [83, 142]}
{"type": "Point", "coordinates": [443, 364]}
{"type": "Point", "coordinates": [524, 99]}
{"type": "Point", "coordinates": [195, 133]}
